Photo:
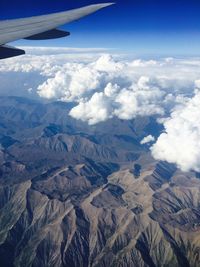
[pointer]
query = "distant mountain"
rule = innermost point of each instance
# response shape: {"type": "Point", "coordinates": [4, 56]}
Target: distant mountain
{"type": "Point", "coordinates": [73, 195]}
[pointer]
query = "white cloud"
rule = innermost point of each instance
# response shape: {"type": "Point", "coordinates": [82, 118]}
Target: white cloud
{"type": "Point", "coordinates": [34, 50]}
{"type": "Point", "coordinates": [104, 86]}
{"type": "Point", "coordinates": [147, 139]}
{"type": "Point", "coordinates": [94, 111]}
{"type": "Point", "coordinates": [180, 143]}
{"type": "Point", "coordinates": [106, 63]}
{"type": "Point", "coordinates": [70, 84]}
{"type": "Point", "coordinates": [139, 99]}
{"type": "Point", "coordinates": [111, 90]}
{"type": "Point", "coordinates": [143, 63]}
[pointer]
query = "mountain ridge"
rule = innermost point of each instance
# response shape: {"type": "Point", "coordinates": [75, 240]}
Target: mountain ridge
{"type": "Point", "coordinates": [73, 195]}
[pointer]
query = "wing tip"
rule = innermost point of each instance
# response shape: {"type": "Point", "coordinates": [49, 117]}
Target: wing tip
{"type": "Point", "coordinates": [95, 7]}
{"type": "Point", "coordinates": [108, 4]}
{"type": "Point", "coordinates": [105, 4]}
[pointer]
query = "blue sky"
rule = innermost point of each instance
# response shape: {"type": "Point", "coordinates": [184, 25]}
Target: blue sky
{"type": "Point", "coordinates": [137, 26]}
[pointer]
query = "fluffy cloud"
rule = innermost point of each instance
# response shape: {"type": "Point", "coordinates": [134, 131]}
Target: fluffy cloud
{"type": "Point", "coordinates": [71, 85]}
{"type": "Point", "coordinates": [104, 86]}
{"type": "Point", "coordinates": [106, 63]}
{"type": "Point", "coordinates": [147, 139]}
{"type": "Point", "coordinates": [180, 143]}
{"type": "Point", "coordinates": [126, 104]}
{"type": "Point", "coordinates": [141, 98]}
{"type": "Point", "coordinates": [94, 111]}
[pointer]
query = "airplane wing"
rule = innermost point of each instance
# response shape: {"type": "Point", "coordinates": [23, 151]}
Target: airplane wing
{"type": "Point", "coordinates": [39, 27]}
{"type": "Point", "coordinates": [9, 51]}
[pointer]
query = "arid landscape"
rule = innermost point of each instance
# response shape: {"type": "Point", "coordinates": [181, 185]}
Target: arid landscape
{"type": "Point", "coordinates": [73, 195]}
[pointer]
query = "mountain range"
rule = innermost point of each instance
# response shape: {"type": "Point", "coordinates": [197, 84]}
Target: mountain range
{"type": "Point", "coordinates": [76, 195]}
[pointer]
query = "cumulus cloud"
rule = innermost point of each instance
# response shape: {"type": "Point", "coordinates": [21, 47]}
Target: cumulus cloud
{"type": "Point", "coordinates": [141, 98]}
{"type": "Point", "coordinates": [71, 85]}
{"type": "Point", "coordinates": [106, 63]}
{"type": "Point", "coordinates": [104, 86]}
{"type": "Point", "coordinates": [180, 143]}
{"type": "Point", "coordinates": [94, 111]}
{"type": "Point", "coordinates": [147, 139]}
{"type": "Point", "coordinates": [124, 103]}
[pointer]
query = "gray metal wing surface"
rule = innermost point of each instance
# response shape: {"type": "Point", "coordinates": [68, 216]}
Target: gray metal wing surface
{"type": "Point", "coordinates": [39, 27]}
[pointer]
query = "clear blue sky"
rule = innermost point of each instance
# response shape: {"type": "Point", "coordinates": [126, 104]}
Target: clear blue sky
{"type": "Point", "coordinates": [140, 26]}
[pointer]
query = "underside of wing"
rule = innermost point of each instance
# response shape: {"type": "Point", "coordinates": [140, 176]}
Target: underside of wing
{"type": "Point", "coordinates": [9, 51]}
{"type": "Point", "coordinates": [52, 34]}
{"type": "Point", "coordinates": [12, 30]}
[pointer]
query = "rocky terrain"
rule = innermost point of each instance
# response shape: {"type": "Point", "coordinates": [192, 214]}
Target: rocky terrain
{"type": "Point", "coordinates": [73, 195]}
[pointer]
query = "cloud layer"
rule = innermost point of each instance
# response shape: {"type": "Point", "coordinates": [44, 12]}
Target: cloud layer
{"type": "Point", "coordinates": [105, 86]}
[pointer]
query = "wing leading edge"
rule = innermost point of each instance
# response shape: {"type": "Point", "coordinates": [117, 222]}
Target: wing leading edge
{"type": "Point", "coordinates": [42, 27]}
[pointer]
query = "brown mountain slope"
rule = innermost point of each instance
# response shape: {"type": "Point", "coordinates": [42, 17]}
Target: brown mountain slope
{"type": "Point", "coordinates": [79, 196]}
